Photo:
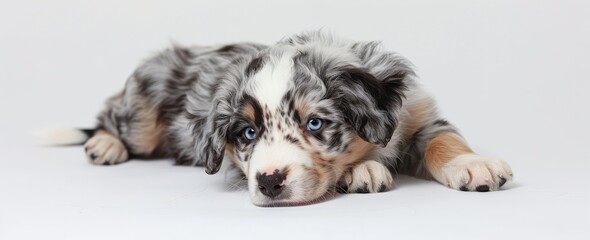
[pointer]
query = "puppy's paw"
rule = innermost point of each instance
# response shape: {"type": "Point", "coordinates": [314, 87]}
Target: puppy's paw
{"type": "Point", "coordinates": [367, 177]}
{"type": "Point", "coordinates": [472, 172]}
{"type": "Point", "coordinates": [105, 149]}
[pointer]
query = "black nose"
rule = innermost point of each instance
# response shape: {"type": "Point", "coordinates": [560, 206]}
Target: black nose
{"type": "Point", "coordinates": [271, 185]}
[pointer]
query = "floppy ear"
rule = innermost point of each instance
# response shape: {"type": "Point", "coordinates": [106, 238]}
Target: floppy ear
{"type": "Point", "coordinates": [210, 138]}
{"type": "Point", "coordinates": [369, 104]}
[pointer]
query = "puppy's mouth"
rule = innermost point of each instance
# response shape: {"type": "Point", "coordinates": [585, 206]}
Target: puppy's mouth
{"type": "Point", "coordinates": [286, 202]}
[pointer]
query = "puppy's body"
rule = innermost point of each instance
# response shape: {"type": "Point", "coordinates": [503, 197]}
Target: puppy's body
{"type": "Point", "coordinates": [261, 107]}
{"type": "Point", "coordinates": [149, 115]}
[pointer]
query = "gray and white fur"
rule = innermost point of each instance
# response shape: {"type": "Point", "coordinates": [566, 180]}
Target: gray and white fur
{"type": "Point", "coordinates": [301, 119]}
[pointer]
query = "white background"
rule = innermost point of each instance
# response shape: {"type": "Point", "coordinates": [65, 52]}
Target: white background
{"type": "Point", "coordinates": [513, 75]}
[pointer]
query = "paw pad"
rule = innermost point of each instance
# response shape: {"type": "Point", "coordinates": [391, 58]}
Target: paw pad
{"type": "Point", "coordinates": [364, 189]}
{"type": "Point", "coordinates": [483, 188]}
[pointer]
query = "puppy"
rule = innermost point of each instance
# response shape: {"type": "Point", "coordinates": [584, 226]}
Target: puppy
{"type": "Point", "coordinates": [299, 119]}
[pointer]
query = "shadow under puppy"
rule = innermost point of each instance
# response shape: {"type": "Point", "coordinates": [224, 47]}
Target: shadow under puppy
{"type": "Point", "coordinates": [301, 118]}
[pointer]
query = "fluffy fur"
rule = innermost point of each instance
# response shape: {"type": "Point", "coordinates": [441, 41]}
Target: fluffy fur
{"type": "Point", "coordinates": [254, 105]}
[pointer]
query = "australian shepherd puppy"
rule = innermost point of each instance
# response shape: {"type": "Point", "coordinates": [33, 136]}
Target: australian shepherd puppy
{"type": "Point", "coordinates": [300, 119]}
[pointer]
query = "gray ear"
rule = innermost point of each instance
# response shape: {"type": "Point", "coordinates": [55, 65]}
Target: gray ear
{"type": "Point", "coordinates": [210, 138]}
{"type": "Point", "coordinates": [369, 104]}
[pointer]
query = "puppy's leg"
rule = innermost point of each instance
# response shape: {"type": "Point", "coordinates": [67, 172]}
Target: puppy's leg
{"type": "Point", "coordinates": [366, 177]}
{"type": "Point", "coordinates": [129, 126]}
{"type": "Point", "coordinates": [451, 162]}
{"type": "Point", "coordinates": [105, 146]}
{"type": "Point", "coordinates": [437, 151]}
{"type": "Point", "coordinates": [434, 149]}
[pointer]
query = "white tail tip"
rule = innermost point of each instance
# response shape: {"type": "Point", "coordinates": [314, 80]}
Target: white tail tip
{"type": "Point", "coordinates": [60, 136]}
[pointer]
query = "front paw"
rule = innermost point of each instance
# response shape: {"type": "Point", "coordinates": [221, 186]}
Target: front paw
{"type": "Point", "coordinates": [471, 172]}
{"type": "Point", "coordinates": [367, 177]}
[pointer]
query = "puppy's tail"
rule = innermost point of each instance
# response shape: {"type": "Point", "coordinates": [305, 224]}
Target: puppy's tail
{"type": "Point", "coordinates": [64, 136]}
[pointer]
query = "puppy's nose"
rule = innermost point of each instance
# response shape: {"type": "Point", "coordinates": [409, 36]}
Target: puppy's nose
{"type": "Point", "coordinates": [271, 185]}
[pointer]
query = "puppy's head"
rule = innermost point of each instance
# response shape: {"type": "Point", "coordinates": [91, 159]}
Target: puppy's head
{"type": "Point", "coordinates": [295, 117]}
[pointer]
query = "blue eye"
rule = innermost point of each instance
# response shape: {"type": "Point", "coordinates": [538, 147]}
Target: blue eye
{"type": "Point", "coordinates": [314, 124]}
{"type": "Point", "coordinates": [250, 133]}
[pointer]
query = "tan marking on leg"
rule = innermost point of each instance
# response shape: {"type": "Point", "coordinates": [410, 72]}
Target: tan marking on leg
{"type": "Point", "coordinates": [148, 132]}
{"type": "Point", "coordinates": [329, 167]}
{"type": "Point", "coordinates": [442, 149]}
{"type": "Point", "coordinates": [418, 115]}
{"type": "Point", "coordinates": [357, 151]}
{"type": "Point", "coordinates": [356, 170]}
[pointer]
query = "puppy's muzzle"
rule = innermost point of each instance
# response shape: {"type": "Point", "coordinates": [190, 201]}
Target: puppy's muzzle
{"type": "Point", "coordinates": [271, 185]}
